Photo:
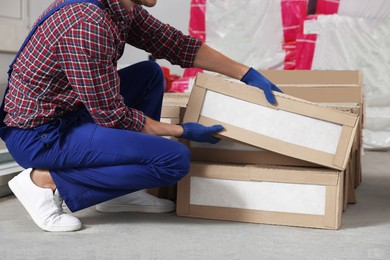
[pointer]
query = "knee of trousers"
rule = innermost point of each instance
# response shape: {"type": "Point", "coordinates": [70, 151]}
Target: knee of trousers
{"type": "Point", "coordinates": [178, 166]}
{"type": "Point", "coordinates": [155, 70]}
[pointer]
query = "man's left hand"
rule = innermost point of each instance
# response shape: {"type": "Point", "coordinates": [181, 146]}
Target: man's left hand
{"type": "Point", "coordinates": [254, 78]}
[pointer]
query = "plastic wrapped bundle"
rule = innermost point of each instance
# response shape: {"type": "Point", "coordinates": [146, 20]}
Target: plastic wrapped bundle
{"type": "Point", "coordinates": [360, 44]}
{"type": "Point", "coordinates": [251, 33]}
{"type": "Point", "coordinates": [378, 10]}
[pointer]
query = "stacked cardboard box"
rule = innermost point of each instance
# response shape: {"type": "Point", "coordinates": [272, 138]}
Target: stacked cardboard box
{"type": "Point", "coordinates": [173, 107]}
{"type": "Point", "coordinates": [340, 89]}
{"type": "Point", "coordinates": [287, 164]}
{"type": "Point", "coordinates": [333, 87]}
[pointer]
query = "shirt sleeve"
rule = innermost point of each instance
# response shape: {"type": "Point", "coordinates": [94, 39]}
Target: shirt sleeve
{"type": "Point", "coordinates": [86, 54]}
{"type": "Point", "coordinates": [162, 40]}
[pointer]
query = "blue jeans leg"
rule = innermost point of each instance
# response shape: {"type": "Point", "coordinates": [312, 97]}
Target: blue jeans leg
{"type": "Point", "coordinates": [142, 86]}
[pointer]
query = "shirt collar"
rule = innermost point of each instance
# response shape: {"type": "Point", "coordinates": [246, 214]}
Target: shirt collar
{"type": "Point", "coordinates": [117, 12]}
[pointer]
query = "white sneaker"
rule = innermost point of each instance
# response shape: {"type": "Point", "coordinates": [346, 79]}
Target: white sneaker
{"type": "Point", "coordinates": [139, 201]}
{"type": "Point", "coordinates": [44, 208]}
{"type": "Point", "coordinates": [59, 200]}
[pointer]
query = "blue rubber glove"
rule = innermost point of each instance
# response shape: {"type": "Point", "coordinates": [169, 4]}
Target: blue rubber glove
{"type": "Point", "coordinates": [200, 133]}
{"type": "Point", "coordinates": [254, 78]}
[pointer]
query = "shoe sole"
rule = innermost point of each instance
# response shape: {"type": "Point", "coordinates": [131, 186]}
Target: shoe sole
{"type": "Point", "coordinates": [133, 208]}
{"type": "Point", "coordinates": [17, 190]}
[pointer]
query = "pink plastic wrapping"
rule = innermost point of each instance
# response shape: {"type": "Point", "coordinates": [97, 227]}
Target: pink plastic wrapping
{"type": "Point", "coordinates": [327, 6]}
{"type": "Point", "coordinates": [251, 33]}
{"type": "Point", "coordinates": [290, 58]}
{"type": "Point", "coordinates": [305, 48]}
{"type": "Point", "coordinates": [197, 28]}
{"type": "Point", "coordinates": [343, 43]}
{"type": "Point", "coordinates": [293, 15]}
{"type": "Point", "coordinates": [306, 44]}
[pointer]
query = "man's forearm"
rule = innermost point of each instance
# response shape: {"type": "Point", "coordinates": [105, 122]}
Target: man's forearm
{"type": "Point", "coordinates": [161, 129]}
{"type": "Point", "coordinates": [210, 59]}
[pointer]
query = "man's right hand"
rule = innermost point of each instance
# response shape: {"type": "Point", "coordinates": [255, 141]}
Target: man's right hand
{"type": "Point", "coordinates": [200, 133]}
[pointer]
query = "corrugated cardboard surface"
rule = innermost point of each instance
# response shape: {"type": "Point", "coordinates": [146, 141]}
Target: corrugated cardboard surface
{"type": "Point", "coordinates": [338, 160]}
{"type": "Point", "coordinates": [330, 179]}
{"type": "Point", "coordinates": [215, 153]}
{"type": "Point", "coordinates": [326, 86]}
{"type": "Point", "coordinates": [174, 104]}
{"type": "Point", "coordinates": [232, 152]}
{"type": "Point", "coordinates": [315, 77]}
{"type": "Point", "coordinates": [341, 90]}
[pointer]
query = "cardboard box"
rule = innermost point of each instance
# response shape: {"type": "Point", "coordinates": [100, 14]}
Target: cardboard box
{"type": "Point", "coordinates": [349, 189]}
{"type": "Point", "coordinates": [321, 86]}
{"type": "Point", "coordinates": [169, 192]}
{"type": "Point", "coordinates": [228, 151]}
{"type": "Point", "coordinates": [294, 127]}
{"type": "Point", "coordinates": [173, 107]}
{"type": "Point", "coordinates": [179, 99]}
{"type": "Point", "coordinates": [232, 152]}
{"type": "Point", "coordinates": [293, 196]}
{"type": "Point", "coordinates": [351, 172]}
{"type": "Point", "coordinates": [326, 86]}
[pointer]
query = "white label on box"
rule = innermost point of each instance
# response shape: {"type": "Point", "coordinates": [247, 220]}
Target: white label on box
{"type": "Point", "coordinates": [266, 196]}
{"type": "Point", "coordinates": [282, 125]}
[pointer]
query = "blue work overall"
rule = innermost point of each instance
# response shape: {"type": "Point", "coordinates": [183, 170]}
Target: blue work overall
{"type": "Point", "coordinates": [91, 164]}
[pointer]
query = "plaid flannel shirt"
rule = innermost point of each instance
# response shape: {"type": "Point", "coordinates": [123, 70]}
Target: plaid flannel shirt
{"type": "Point", "coordinates": [71, 59]}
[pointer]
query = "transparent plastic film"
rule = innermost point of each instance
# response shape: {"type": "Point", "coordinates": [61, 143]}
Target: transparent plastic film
{"type": "Point", "coordinates": [250, 32]}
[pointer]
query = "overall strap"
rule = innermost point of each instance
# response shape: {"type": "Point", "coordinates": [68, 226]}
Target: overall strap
{"type": "Point", "coordinates": [32, 31]}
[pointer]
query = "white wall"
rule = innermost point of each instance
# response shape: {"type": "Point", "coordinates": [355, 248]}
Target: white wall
{"type": "Point", "coordinates": [5, 60]}
{"type": "Point", "coordinates": [35, 8]}
{"type": "Point", "coordinates": [174, 12]}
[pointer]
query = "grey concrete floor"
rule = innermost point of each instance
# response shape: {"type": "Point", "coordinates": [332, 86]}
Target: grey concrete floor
{"type": "Point", "coordinates": [364, 234]}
